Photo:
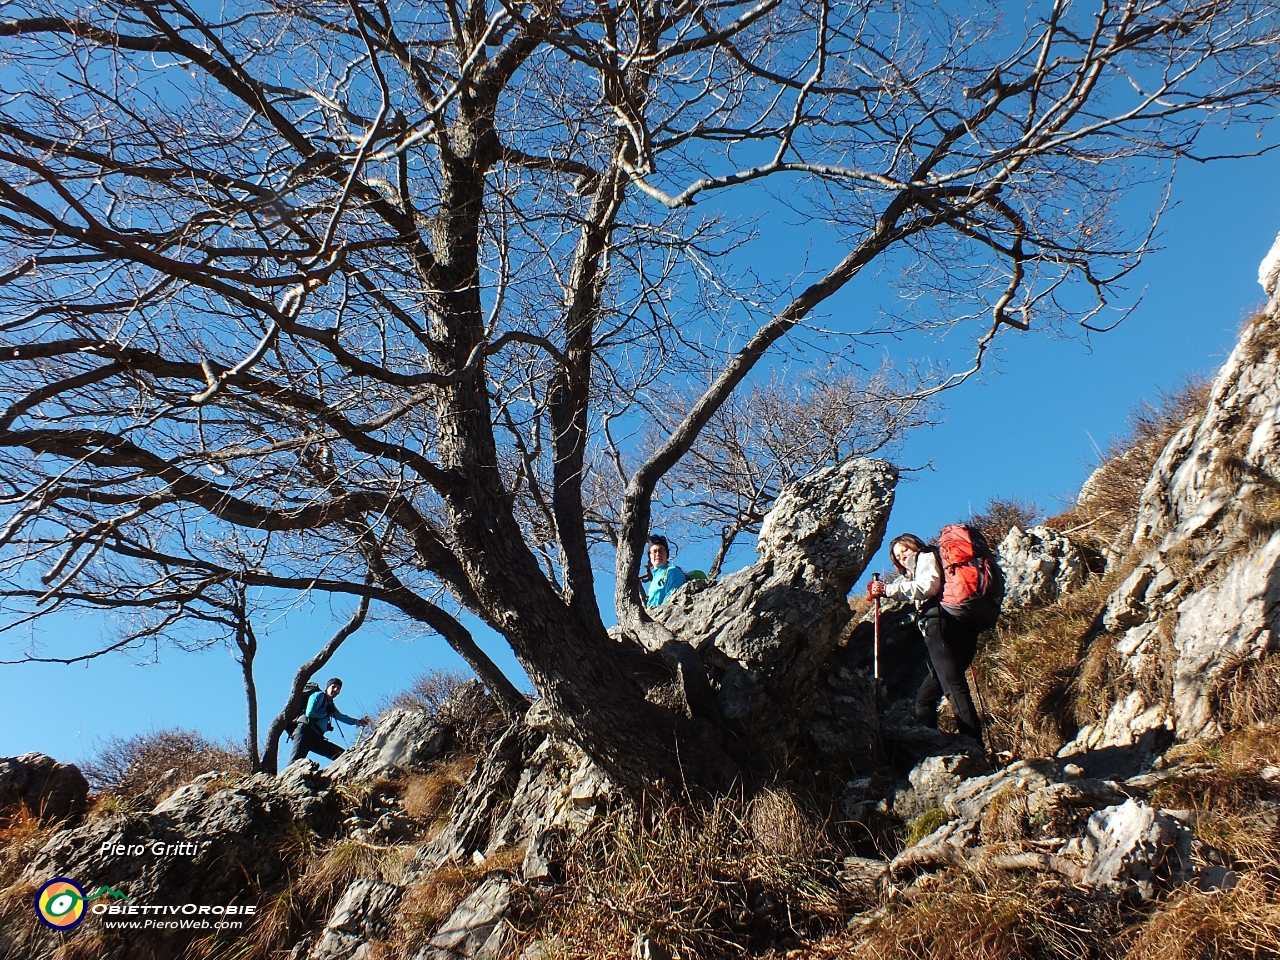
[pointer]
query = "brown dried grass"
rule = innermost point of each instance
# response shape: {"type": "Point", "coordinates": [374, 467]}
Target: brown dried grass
{"type": "Point", "coordinates": [1027, 666]}
{"type": "Point", "coordinates": [1110, 501]}
{"type": "Point", "coordinates": [427, 797]}
{"type": "Point", "coordinates": [1221, 783]}
{"type": "Point", "coordinates": [1224, 925]}
{"type": "Point", "coordinates": [429, 902]}
{"type": "Point", "coordinates": [737, 877]}
{"type": "Point", "coordinates": [972, 916]}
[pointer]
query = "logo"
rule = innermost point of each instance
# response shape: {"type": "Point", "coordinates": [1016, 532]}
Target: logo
{"type": "Point", "coordinates": [60, 904]}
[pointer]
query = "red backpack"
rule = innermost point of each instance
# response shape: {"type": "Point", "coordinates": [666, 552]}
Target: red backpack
{"type": "Point", "coordinates": [972, 581]}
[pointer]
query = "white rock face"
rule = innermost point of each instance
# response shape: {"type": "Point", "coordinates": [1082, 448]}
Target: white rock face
{"type": "Point", "coordinates": [364, 913]}
{"type": "Point", "coordinates": [1205, 597]}
{"type": "Point", "coordinates": [1040, 565]}
{"type": "Point", "coordinates": [403, 740]}
{"type": "Point", "coordinates": [1269, 269]}
{"type": "Point", "coordinates": [1128, 843]}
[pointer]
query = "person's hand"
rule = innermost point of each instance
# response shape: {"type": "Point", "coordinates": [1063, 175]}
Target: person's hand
{"type": "Point", "coordinates": [363, 722]}
{"type": "Point", "coordinates": [875, 589]}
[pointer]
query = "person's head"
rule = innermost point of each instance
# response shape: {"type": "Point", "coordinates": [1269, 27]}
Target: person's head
{"type": "Point", "coordinates": [333, 687]}
{"type": "Point", "coordinates": [903, 547]}
{"type": "Point", "coordinates": [659, 551]}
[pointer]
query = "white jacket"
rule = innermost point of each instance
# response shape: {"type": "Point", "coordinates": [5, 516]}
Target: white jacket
{"type": "Point", "coordinates": [923, 581]}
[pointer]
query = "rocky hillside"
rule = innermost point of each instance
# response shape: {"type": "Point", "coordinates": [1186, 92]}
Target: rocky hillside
{"type": "Point", "coordinates": [1132, 691]}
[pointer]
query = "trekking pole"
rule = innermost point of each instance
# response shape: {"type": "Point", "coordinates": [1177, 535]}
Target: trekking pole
{"type": "Point", "coordinates": [876, 655]}
{"type": "Point", "coordinates": [983, 720]}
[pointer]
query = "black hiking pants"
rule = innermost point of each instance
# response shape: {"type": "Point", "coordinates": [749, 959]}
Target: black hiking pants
{"type": "Point", "coordinates": [951, 646]}
{"type": "Point", "coordinates": [306, 740]}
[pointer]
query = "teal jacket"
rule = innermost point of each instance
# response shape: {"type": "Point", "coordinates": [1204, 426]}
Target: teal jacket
{"type": "Point", "coordinates": [663, 583]}
{"type": "Point", "coordinates": [319, 711]}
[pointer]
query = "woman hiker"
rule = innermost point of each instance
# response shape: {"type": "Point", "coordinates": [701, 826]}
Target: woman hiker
{"type": "Point", "coordinates": [951, 643]}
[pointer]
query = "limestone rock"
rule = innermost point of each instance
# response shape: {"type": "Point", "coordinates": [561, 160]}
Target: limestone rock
{"type": "Point", "coordinates": [50, 790]}
{"type": "Point", "coordinates": [403, 741]}
{"type": "Point", "coordinates": [560, 791]}
{"type": "Point", "coordinates": [199, 845]}
{"type": "Point", "coordinates": [1040, 565]}
{"type": "Point", "coordinates": [1131, 843]}
{"type": "Point", "coordinates": [841, 719]}
{"type": "Point", "coordinates": [765, 631]}
{"type": "Point", "coordinates": [932, 780]}
{"type": "Point", "coordinates": [974, 795]}
{"type": "Point", "coordinates": [1205, 596]}
{"type": "Point", "coordinates": [476, 929]}
{"type": "Point", "coordinates": [365, 912]}
{"type": "Point", "coordinates": [1269, 269]}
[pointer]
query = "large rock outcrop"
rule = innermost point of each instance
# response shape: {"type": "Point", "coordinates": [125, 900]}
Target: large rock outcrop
{"type": "Point", "coordinates": [765, 631]}
{"type": "Point", "coordinates": [1204, 597]}
{"type": "Point", "coordinates": [1041, 565]}
{"type": "Point", "coordinates": [50, 791]}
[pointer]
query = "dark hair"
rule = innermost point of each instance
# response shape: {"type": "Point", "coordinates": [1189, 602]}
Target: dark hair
{"type": "Point", "coordinates": [656, 539]}
{"type": "Point", "coordinates": [910, 540]}
{"type": "Point", "coordinates": [332, 681]}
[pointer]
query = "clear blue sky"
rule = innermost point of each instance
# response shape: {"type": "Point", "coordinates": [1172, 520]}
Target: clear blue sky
{"type": "Point", "coordinates": [1026, 428]}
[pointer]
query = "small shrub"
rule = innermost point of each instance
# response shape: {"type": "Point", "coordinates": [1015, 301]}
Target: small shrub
{"type": "Point", "coordinates": [778, 826]}
{"type": "Point", "coordinates": [998, 517]}
{"type": "Point", "coordinates": [142, 770]}
{"type": "Point", "coordinates": [428, 691]}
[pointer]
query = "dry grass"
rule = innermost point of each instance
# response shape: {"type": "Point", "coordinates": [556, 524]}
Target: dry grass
{"type": "Point", "coordinates": [736, 878]}
{"type": "Point", "coordinates": [428, 903]}
{"type": "Point", "coordinates": [1249, 696]}
{"type": "Point", "coordinates": [969, 916]}
{"type": "Point", "coordinates": [428, 797]}
{"type": "Point", "coordinates": [1026, 668]}
{"type": "Point", "coordinates": [1110, 500]}
{"type": "Point", "coordinates": [1224, 925]}
{"type": "Point", "coordinates": [143, 770]}
{"type": "Point", "coordinates": [307, 899]}
{"type": "Point", "coordinates": [1221, 783]}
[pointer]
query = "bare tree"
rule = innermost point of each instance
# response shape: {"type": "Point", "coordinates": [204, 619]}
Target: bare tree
{"type": "Point", "coordinates": [356, 288]}
{"type": "Point", "coordinates": [777, 431]}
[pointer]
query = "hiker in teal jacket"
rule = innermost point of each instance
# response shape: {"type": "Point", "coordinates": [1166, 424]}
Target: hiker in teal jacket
{"type": "Point", "coordinates": [665, 576]}
{"type": "Point", "coordinates": [317, 720]}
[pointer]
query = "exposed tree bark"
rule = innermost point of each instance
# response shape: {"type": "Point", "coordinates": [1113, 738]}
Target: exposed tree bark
{"type": "Point", "coordinates": [247, 643]}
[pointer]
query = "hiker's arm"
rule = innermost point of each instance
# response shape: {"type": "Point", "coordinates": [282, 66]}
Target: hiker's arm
{"type": "Point", "coordinates": [339, 715]}
{"type": "Point", "coordinates": [926, 583]}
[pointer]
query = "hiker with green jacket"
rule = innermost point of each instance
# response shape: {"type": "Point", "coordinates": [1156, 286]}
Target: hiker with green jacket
{"type": "Point", "coordinates": [317, 720]}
